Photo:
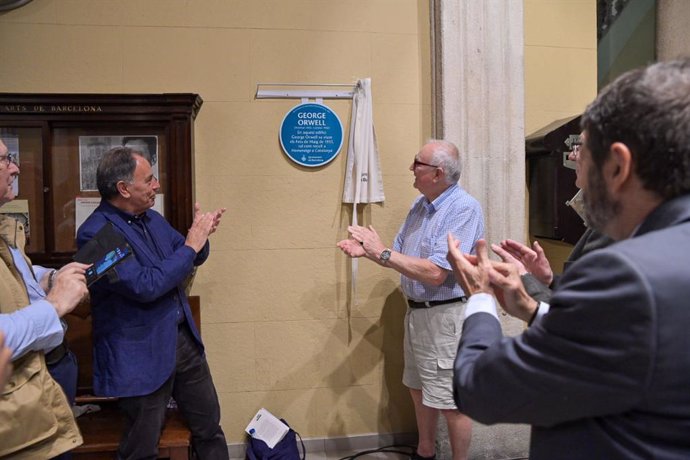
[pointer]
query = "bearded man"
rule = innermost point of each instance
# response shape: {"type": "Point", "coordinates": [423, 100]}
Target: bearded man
{"type": "Point", "coordinates": [604, 370]}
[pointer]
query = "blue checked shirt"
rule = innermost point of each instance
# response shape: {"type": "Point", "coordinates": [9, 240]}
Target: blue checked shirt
{"type": "Point", "coordinates": [424, 234]}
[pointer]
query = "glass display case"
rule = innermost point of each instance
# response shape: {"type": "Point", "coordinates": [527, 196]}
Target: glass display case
{"type": "Point", "coordinates": [59, 139]}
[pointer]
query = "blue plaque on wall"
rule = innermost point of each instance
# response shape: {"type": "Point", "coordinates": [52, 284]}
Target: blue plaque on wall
{"type": "Point", "coordinates": [311, 134]}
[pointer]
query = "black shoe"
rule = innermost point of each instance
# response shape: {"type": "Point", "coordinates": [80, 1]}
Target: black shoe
{"type": "Point", "coordinates": [416, 456]}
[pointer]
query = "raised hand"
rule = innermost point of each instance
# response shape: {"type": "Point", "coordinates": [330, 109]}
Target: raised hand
{"type": "Point", "coordinates": [505, 278]}
{"type": "Point", "coordinates": [351, 247]}
{"type": "Point", "coordinates": [472, 273]}
{"type": "Point", "coordinates": [217, 214]}
{"type": "Point", "coordinates": [199, 231]}
{"type": "Point", "coordinates": [508, 258]}
{"type": "Point", "coordinates": [533, 259]}
{"type": "Point", "coordinates": [367, 238]}
{"type": "Point", "coordinates": [204, 224]}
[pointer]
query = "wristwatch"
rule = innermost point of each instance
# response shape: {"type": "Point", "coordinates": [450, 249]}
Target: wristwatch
{"type": "Point", "coordinates": [385, 255]}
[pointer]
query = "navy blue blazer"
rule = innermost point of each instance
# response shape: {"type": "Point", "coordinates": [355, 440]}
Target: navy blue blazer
{"type": "Point", "coordinates": [606, 373]}
{"type": "Point", "coordinates": [135, 315]}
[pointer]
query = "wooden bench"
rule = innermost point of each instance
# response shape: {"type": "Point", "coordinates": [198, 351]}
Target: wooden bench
{"type": "Point", "coordinates": [102, 430]}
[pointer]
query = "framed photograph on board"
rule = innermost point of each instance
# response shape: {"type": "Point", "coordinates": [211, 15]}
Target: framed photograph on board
{"type": "Point", "coordinates": [92, 148]}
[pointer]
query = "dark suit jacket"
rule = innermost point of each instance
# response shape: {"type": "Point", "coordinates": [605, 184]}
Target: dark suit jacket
{"type": "Point", "coordinates": [134, 316]}
{"type": "Point", "coordinates": [606, 373]}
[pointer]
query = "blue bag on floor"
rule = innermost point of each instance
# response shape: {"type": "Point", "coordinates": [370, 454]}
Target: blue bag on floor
{"type": "Point", "coordinates": [286, 449]}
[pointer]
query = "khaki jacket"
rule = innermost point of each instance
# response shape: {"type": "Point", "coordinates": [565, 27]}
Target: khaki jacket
{"type": "Point", "coordinates": [36, 420]}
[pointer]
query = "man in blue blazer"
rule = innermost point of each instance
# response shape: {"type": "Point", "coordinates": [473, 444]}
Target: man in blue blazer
{"type": "Point", "coordinates": [603, 372]}
{"type": "Point", "coordinates": [146, 345]}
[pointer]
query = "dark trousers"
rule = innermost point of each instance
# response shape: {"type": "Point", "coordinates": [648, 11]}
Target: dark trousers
{"type": "Point", "coordinates": [192, 387]}
{"type": "Point", "coordinates": [64, 372]}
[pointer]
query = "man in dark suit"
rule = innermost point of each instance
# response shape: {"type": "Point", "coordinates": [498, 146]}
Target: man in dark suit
{"type": "Point", "coordinates": [604, 372]}
{"type": "Point", "coordinates": [146, 345]}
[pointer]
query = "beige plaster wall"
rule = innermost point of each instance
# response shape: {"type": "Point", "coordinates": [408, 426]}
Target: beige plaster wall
{"type": "Point", "coordinates": [560, 59]}
{"type": "Point", "coordinates": [276, 321]}
{"type": "Point", "coordinates": [274, 293]}
{"type": "Point", "coordinates": [560, 72]}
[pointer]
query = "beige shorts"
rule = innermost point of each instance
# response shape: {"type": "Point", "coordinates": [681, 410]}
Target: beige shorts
{"type": "Point", "coordinates": [431, 343]}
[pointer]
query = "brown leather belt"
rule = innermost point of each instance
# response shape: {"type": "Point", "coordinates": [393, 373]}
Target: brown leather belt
{"type": "Point", "coordinates": [433, 303]}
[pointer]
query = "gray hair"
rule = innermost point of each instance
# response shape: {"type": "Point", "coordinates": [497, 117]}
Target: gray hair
{"type": "Point", "coordinates": [648, 110]}
{"type": "Point", "coordinates": [447, 156]}
{"type": "Point", "coordinates": [118, 164]}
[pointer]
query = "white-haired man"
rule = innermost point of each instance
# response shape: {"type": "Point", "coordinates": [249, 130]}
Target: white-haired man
{"type": "Point", "coordinates": [436, 301]}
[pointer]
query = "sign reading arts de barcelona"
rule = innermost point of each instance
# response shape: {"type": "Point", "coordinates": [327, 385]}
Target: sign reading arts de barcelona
{"type": "Point", "coordinates": [311, 134]}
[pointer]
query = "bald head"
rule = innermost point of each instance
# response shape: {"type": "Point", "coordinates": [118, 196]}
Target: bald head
{"type": "Point", "coordinates": [447, 156]}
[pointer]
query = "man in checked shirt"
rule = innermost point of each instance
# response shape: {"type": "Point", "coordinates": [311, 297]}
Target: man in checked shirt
{"type": "Point", "coordinates": [434, 318]}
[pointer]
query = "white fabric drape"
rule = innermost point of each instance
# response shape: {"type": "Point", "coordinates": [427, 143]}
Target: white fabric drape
{"type": "Point", "coordinates": [363, 180]}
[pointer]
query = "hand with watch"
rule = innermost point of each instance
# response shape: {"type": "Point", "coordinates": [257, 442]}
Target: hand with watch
{"type": "Point", "coordinates": [385, 256]}
{"type": "Point", "coordinates": [365, 242]}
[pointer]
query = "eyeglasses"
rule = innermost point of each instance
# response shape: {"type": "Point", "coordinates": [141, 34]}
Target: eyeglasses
{"type": "Point", "coordinates": [417, 163]}
{"type": "Point", "coordinates": [7, 159]}
{"type": "Point", "coordinates": [576, 147]}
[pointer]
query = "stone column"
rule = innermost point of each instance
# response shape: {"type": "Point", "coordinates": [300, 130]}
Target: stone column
{"type": "Point", "coordinates": [672, 18]}
{"type": "Point", "coordinates": [477, 58]}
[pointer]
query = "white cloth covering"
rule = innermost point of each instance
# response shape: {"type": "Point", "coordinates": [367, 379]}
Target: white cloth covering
{"type": "Point", "coordinates": [363, 180]}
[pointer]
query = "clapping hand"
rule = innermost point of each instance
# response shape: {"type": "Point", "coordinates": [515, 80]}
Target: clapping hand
{"type": "Point", "coordinates": [217, 215]}
{"type": "Point", "coordinates": [204, 224]}
{"type": "Point", "coordinates": [502, 279]}
{"type": "Point", "coordinates": [363, 241]}
{"type": "Point", "coordinates": [527, 260]}
{"type": "Point", "coordinates": [505, 278]}
{"type": "Point", "coordinates": [472, 272]}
